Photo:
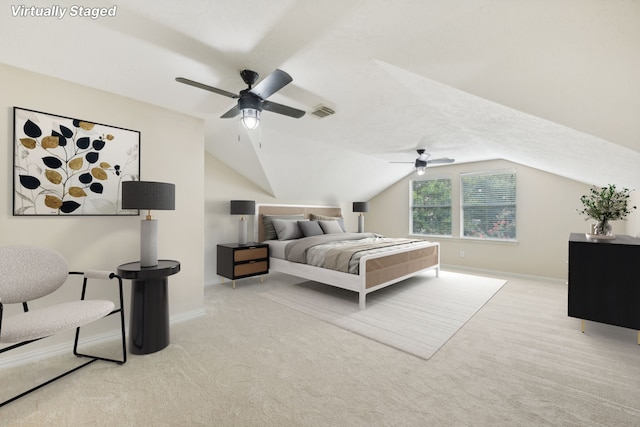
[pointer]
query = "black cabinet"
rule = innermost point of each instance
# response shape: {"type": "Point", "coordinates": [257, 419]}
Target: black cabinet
{"type": "Point", "coordinates": [604, 281]}
{"type": "Point", "coordinates": [237, 261]}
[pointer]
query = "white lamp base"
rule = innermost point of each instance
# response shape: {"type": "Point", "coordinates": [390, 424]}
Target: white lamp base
{"type": "Point", "coordinates": [361, 223]}
{"type": "Point", "coordinates": [242, 231]}
{"type": "Point", "coordinates": [148, 243]}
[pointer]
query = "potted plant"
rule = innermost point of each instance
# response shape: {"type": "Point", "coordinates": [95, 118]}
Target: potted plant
{"type": "Point", "coordinates": [605, 204]}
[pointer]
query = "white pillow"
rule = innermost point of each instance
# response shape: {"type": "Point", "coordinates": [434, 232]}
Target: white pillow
{"type": "Point", "coordinates": [287, 229]}
{"type": "Point", "coordinates": [330, 226]}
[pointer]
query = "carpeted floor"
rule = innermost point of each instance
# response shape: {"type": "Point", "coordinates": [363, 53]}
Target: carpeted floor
{"type": "Point", "coordinates": [417, 315]}
{"type": "Point", "coordinates": [519, 361]}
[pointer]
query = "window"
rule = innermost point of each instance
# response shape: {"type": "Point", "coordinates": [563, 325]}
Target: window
{"type": "Point", "coordinates": [431, 207]}
{"type": "Point", "coordinates": [489, 205]}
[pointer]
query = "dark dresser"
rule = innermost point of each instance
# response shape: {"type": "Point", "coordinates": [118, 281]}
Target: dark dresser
{"type": "Point", "coordinates": [604, 280]}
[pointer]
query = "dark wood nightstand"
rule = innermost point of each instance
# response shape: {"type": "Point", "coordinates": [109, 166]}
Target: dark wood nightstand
{"type": "Point", "coordinates": [236, 261]}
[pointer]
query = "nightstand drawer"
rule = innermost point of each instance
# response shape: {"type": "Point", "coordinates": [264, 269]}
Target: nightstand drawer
{"type": "Point", "coordinates": [250, 268]}
{"type": "Point", "coordinates": [249, 254]}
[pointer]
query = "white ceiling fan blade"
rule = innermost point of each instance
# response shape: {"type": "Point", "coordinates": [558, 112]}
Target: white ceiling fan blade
{"type": "Point", "coordinates": [441, 161]}
{"type": "Point", "coordinates": [424, 156]}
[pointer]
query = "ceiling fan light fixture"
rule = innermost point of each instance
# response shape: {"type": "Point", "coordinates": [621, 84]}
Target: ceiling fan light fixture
{"type": "Point", "coordinates": [421, 166]}
{"type": "Point", "coordinates": [250, 118]}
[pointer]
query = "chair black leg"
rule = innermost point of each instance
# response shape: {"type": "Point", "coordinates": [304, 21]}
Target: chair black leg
{"type": "Point", "coordinates": [122, 323]}
{"type": "Point", "coordinates": [39, 386]}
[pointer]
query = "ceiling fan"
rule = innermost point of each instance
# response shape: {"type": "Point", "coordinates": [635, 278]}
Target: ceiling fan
{"type": "Point", "coordinates": [424, 159]}
{"type": "Point", "coordinates": [253, 99]}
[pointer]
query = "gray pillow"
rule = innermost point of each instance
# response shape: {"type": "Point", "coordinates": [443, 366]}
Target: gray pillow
{"type": "Point", "coordinates": [267, 222]}
{"type": "Point", "coordinates": [330, 226]}
{"type": "Point", "coordinates": [287, 229]}
{"type": "Point", "coordinates": [310, 228]}
{"type": "Point", "coordinates": [329, 218]}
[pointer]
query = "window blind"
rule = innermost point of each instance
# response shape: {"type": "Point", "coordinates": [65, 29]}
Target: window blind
{"type": "Point", "coordinates": [431, 207]}
{"type": "Point", "coordinates": [489, 205]}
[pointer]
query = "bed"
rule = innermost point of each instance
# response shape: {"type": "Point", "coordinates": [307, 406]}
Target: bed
{"type": "Point", "coordinates": [369, 270]}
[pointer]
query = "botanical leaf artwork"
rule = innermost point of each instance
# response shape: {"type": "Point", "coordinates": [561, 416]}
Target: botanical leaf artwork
{"type": "Point", "coordinates": [66, 166]}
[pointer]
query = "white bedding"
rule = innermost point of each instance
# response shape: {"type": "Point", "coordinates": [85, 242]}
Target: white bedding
{"type": "Point", "coordinates": [276, 248]}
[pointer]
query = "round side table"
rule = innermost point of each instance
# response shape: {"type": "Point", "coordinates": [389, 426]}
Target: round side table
{"type": "Point", "coordinates": [149, 317]}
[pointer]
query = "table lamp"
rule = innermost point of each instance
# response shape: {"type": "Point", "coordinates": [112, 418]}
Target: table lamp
{"type": "Point", "coordinates": [361, 207]}
{"type": "Point", "coordinates": [148, 195]}
{"type": "Point", "coordinates": [243, 207]}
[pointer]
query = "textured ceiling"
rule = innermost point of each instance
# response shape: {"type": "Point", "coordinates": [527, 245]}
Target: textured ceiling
{"type": "Point", "coordinates": [549, 84]}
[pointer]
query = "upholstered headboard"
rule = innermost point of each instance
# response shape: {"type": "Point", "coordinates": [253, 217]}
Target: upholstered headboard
{"type": "Point", "coordinates": [306, 210]}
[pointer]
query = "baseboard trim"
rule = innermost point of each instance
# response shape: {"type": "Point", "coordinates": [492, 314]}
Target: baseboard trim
{"type": "Point", "coordinates": [189, 315]}
{"type": "Point", "coordinates": [30, 356]}
{"type": "Point", "coordinates": [211, 283]}
{"type": "Point", "coordinates": [500, 273]}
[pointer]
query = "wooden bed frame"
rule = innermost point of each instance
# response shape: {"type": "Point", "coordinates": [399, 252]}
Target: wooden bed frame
{"type": "Point", "coordinates": [376, 271]}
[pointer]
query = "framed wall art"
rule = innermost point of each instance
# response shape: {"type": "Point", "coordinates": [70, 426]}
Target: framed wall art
{"type": "Point", "coordinates": [65, 166]}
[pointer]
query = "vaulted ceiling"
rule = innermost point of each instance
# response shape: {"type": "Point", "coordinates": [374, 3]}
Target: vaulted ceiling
{"type": "Point", "coordinates": [549, 84]}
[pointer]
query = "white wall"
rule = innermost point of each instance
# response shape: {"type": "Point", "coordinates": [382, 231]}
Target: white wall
{"type": "Point", "coordinates": [172, 147]}
{"type": "Point", "coordinates": [633, 223]}
{"type": "Point", "coordinates": [223, 184]}
{"type": "Point", "coordinates": [546, 215]}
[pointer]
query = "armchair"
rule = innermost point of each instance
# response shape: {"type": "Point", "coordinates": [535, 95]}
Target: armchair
{"type": "Point", "coordinates": [28, 273]}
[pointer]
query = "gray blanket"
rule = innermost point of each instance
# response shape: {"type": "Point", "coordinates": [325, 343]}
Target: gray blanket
{"type": "Point", "coordinates": [341, 252]}
{"type": "Point", "coordinates": [296, 250]}
{"type": "Point", "coordinates": [340, 258]}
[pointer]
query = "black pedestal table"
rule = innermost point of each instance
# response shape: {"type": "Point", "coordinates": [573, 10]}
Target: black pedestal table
{"type": "Point", "coordinates": [149, 317]}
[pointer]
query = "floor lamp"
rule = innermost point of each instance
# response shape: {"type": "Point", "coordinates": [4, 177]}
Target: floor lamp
{"type": "Point", "coordinates": [361, 207]}
{"type": "Point", "coordinates": [242, 207]}
{"type": "Point", "coordinates": [148, 195]}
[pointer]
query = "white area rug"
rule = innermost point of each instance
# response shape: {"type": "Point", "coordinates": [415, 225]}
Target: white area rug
{"type": "Point", "coordinates": [417, 316]}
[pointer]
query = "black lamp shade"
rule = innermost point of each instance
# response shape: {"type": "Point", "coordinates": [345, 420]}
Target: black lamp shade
{"type": "Point", "coordinates": [243, 207]}
{"type": "Point", "coordinates": [361, 206]}
{"type": "Point", "coordinates": [148, 195]}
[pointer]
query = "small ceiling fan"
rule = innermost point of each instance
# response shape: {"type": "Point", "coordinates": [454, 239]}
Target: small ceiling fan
{"type": "Point", "coordinates": [424, 159]}
{"type": "Point", "coordinates": [252, 100]}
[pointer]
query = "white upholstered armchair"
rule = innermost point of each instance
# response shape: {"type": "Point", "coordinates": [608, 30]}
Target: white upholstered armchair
{"type": "Point", "coordinates": [28, 273]}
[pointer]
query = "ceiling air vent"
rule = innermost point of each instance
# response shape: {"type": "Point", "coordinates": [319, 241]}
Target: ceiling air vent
{"type": "Point", "coordinates": [322, 111]}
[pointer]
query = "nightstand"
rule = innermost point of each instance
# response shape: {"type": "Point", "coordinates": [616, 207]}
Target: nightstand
{"type": "Point", "coordinates": [237, 261]}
